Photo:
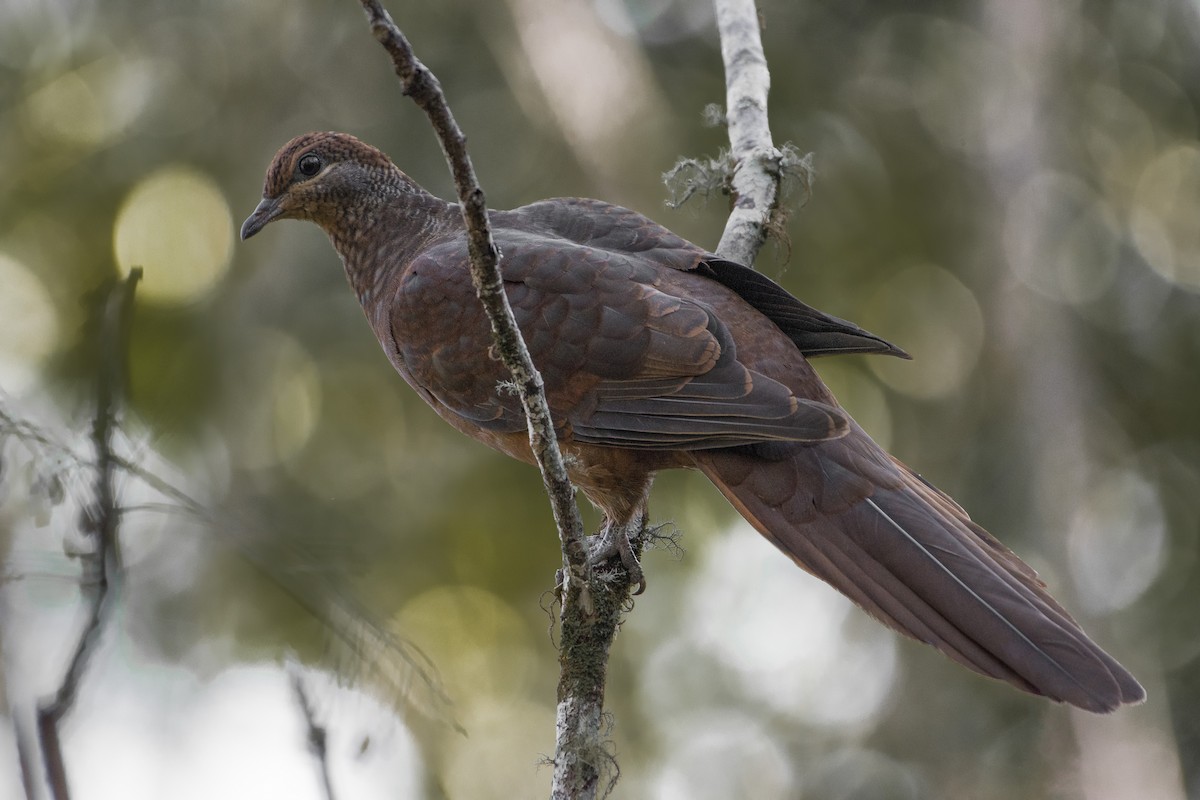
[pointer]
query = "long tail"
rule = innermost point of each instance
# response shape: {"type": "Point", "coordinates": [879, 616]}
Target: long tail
{"type": "Point", "coordinates": [860, 520]}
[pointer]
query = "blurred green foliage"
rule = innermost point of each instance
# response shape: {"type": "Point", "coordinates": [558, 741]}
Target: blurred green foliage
{"type": "Point", "coordinates": [1008, 190]}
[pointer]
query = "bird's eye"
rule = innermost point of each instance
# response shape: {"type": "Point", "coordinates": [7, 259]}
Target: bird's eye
{"type": "Point", "coordinates": [309, 165]}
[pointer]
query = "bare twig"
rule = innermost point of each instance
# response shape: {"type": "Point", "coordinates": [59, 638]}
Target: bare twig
{"type": "Point", "coordinates": [316, 732]}
{"type": "Point", "coordinates": [758, 175]}
{"type": "Point", "coordinates": [590, 608]}
{"type": "Point", "coordinates": [100, 519]}
{"type": "Point", "coordinates": [354, 631]}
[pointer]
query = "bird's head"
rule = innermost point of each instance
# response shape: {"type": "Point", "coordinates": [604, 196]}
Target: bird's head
{"type": "Point", "coordinates": [318, 176]}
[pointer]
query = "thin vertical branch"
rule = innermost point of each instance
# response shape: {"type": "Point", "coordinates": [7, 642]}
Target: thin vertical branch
{"type": "Point", "coordinates": [26, 757]}
{"type": "Point", "coordinates": [758, 170]}
{"type": "Point", "coordinates": [101, 521]}
{"type": "Point", "coordinates": [420, 84]}
{"type": "Point", "coordinates": [590, 609]}
{"type": "Point", "coordinates": [27, 752]}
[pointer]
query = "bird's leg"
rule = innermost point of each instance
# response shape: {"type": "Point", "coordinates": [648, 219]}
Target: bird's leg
{"type": "Point", "coordinates": [615, 539]}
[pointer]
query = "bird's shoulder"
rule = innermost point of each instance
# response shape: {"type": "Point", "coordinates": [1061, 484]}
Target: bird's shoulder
{"type": "Point", "coordinates": [603, 254]}
{"type": "Point", "coordinates": [561, 246]}
{"type": "Point", "coordinates": [600, 226]}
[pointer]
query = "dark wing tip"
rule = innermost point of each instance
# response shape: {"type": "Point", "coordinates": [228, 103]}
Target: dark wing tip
{"type": "Point", "coordinates": [814, 332]}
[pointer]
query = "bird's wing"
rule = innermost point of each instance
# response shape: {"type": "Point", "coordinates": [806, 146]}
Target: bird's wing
{"type": "Point", "coordinates": [625, 364]}
{"type": "Point", "coordinates": [604, 226]}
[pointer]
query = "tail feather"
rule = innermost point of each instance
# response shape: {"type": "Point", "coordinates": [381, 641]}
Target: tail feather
{"type": "Point", "coordinates": [853, 516]}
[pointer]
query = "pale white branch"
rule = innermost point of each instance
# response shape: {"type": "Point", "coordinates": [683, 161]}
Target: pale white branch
{"type": "Point", "coordinates": [758, 163]}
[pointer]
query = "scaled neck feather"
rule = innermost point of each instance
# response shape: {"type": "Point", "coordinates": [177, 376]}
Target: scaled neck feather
{"type": "Point", "coordinates": [380, 233]}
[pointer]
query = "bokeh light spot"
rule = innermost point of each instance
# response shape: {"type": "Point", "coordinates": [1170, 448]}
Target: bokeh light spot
{"type": "Point", "coordinates": [28, 325]}
{"type": "Point", "coordinates": [937, 319]}
{"type": "Point", "coordinates": [597, 84]}
{"type": "Point", "coordinates": [92, 106]}
{"type": "Point", "coordinates": [1165, 227]}
{"type": "Point", "coordinates": [1117, 540]}
{"type": "Point", "coordinates": [295, 402]}
{"type": "Point", "coordinates": [478, 641]}
{"type": "Point", "coordinates": [827, 668]}
{"type": "Point", "coordinates": [1119, 138]}
{"type": "Point", "coordinates": [854, 772]}
{"type": "Point", "coordinates": [1061, 239]}
{"type": "Point", "coordinates": [177, 226]}
{"type": "Point", "coordinates": [494, 762]}
{"type": "Point", "coordinates": [280, 401]}
{"type": "Point", "coordinates": [345, 458]}
{"type": "Point", "coordinates": [957, 60]}
{"type": "Point", "coordinates": [724, 756]}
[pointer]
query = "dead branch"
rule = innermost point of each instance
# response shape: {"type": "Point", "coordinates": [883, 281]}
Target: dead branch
{"type": "Point", "coordinates": [100, 521]}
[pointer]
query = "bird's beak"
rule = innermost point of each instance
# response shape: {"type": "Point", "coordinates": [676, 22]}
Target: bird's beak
{"type": "Point", "coordinates": [267, 210]}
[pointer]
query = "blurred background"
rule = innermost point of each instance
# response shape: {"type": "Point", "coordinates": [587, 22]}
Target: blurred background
{"type": "Point", "coordinates": [1008, 189]}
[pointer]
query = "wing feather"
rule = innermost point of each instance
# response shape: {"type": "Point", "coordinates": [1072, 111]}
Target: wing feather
{"type": "Point", "coordinates": [626, 363]}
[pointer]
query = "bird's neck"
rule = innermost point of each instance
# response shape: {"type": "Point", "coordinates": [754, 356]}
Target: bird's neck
{"type": "Point", "coordinates": [380, 234]}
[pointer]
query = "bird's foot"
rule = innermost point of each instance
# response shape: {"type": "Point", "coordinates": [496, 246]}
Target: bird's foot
{"type": "Point", "coordinates": [614, 540]}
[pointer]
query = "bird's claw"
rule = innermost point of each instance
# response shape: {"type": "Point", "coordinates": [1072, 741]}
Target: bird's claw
{"type": "Point", "coordinates": [614, 541]}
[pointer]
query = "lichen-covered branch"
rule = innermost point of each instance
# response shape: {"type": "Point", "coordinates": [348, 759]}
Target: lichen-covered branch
{"type": "Point", "coordinates": [758, 170]}
{"type": "Point", "coordinates": [100, 520]}
{"type": "Point", "coordinates": [588, 627]}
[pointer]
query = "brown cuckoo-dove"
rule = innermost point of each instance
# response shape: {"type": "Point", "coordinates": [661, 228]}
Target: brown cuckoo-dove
{"type": "Point", "coordinates": [658, 354]}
